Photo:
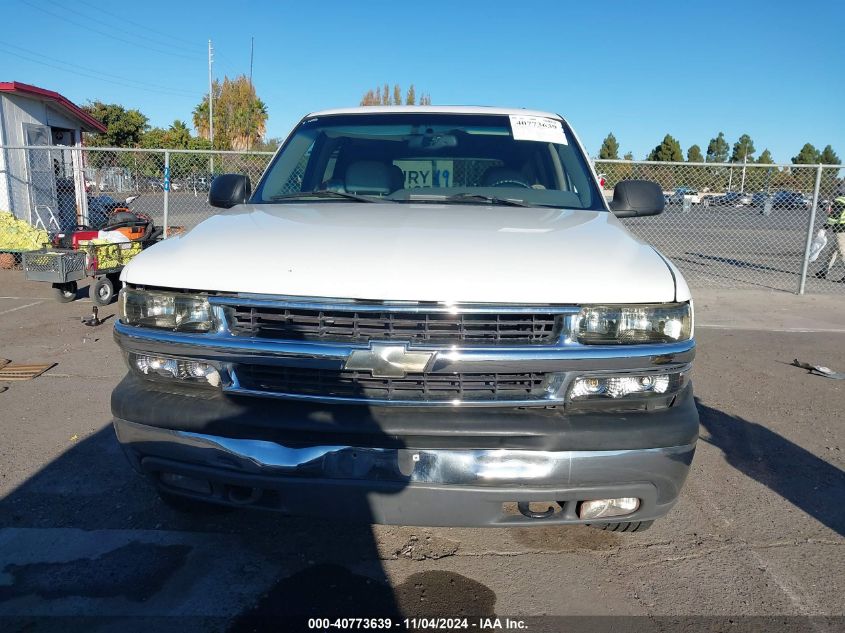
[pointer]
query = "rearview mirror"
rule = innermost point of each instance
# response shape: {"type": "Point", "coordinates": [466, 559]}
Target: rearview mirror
{"type": "Point", "coordinates": [637, 198]}
{"type": "Point", "coordinates": [227, 190]}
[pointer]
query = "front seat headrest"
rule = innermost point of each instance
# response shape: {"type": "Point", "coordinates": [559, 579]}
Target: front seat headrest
{"type": "Point", "coordinates": [368, 177]}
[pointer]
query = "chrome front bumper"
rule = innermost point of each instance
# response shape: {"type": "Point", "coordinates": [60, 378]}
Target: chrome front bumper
{"type": "Point", "coordinates": [408, 486]}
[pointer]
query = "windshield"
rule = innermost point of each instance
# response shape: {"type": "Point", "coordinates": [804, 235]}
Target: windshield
{"type": "Point", "coordinates": [423, 157]}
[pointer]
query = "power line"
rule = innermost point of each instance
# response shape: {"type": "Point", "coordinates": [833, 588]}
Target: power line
{"type": "Point", "coordinates": [83, 73]}
{"type": "Point", "coordinates": [168, 37]}
{"type": "Point", "coordinates": [88, 27]}
{"type": "Point", "coordinates": [100, 73]}
{"type": "Point", "coordinates": [168, 40]}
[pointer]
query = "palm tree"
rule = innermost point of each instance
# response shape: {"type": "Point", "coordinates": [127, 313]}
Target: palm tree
{"type": "Point", "coordinates": [180, 133]}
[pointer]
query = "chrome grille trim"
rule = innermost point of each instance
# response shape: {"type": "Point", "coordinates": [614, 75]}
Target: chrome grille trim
{"type": "Point", "coordinates": [420, 388]}
{"type": "Point", "coordinates": [417, 327]}
{"type": "Point", "coordinates": [307, 303]}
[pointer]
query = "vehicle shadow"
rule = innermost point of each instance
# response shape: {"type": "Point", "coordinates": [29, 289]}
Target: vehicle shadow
{"type": "Point", "coordinates": [811, 484]}
{"type": "Point", "coordinates": [87, 537]}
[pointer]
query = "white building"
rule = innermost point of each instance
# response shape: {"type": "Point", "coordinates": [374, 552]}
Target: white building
{"type": "Point", "coordinates": [32, 116]}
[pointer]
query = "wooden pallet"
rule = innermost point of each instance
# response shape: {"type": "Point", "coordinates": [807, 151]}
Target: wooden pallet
{"type": "Point", "coordinates": [10, 372]}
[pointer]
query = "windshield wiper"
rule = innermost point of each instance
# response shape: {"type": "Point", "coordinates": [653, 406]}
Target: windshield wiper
{"type": "Point", "coordinates": [477, 197]}
{"type": "Point", "coordinates": [325, 193]}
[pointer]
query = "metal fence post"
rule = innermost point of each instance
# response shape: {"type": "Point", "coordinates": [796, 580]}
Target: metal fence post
{"type": "Point", "coordinates": [810, 225]}
{"type": "Point", "coordinates": [166, 189]}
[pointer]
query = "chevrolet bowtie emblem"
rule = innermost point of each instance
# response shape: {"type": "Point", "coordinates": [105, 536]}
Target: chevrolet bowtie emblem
{"type": "Point", "coordinates": [388, 361]}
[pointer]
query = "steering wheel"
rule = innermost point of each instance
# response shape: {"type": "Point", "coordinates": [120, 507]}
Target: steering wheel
{"type": "Point", "coordinates": [509, 182]}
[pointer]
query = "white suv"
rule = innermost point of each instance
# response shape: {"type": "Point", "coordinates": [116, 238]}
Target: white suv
{"type": "Point", "coordinates": [422, 316]}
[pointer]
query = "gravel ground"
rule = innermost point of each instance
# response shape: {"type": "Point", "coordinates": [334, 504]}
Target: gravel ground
{"type": "Point", "coordinates": [758, 530]}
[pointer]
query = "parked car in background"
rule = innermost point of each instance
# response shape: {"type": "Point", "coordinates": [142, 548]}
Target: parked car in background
{"type": "Point", "coordinates": [682, 193]}
{"type": "Point", "coordinates": [731, 199]}
{"type": "Point", "coordinates": [790, 200]}
{"type": "Point", "coordinates": [198, 183]}
{"type": "Point", "coordinates": [759, 199]}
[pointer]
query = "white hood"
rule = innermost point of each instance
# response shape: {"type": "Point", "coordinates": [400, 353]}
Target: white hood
{"type": "Point", "coordinates": [411, 252]}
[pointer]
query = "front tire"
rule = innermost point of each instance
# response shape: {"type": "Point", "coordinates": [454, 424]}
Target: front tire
{"type": "Point", "coordinates": [627, 526]}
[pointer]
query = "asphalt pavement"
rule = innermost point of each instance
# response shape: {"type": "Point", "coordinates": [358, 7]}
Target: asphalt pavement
{"type": "Point", "coordinates": [758, 530]}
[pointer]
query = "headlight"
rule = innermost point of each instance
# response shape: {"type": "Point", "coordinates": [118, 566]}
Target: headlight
{"type": "Point", "coordinates": [658, 323]}
{"type": "Point", "coordinates": [166, 310]}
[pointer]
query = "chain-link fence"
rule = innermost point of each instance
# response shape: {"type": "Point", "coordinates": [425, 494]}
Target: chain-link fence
{"type": "Point", "coordinates": [58, 188]}
{"type": "Point", "coordinates": [724, 225]}
{"type": "Point", "coordinates": [742, 225]}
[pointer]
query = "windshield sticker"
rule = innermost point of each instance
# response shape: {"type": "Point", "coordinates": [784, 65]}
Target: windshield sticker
{"type": "Point", "coordinates": [537, 128]}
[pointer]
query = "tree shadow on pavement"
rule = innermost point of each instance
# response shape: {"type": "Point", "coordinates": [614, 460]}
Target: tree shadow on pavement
{"type": "Point", "coordinates": [811, 484]}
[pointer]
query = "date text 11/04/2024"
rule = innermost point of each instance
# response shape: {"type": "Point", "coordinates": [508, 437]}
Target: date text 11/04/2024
{"type": "Point", "coordinates": [414, 624]}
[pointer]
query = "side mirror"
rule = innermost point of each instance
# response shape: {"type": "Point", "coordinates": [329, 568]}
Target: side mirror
{"type": "Point", "coordinates": [227, 190]}
{"type": "Point", "coordinates": [637, 198]}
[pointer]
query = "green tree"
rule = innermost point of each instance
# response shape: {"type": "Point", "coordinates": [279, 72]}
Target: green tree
{"type": "Point", "coordinates": [808, 155]}
{"type": "Point", "coordinates": [180, 134]}
{"type": "Point", "coordinates": [609, 148]}
{"type": "Point", "coordinates": [628, 156]}
{"type": "Point", "coordinates": [269, 144]}
{"type": "Point", "coordinates": [397, 95]}
{"type": "Point", "coordinates": [155, 138]}
{"type": "Point", "coordinates": [829, 157]}
{"type": "Point", "coordinates": [743, 149]}
{"type": "Point", "coordinates": [717, 149]}
{"type": "Point", "coordinates": [694, 154]}
{"type": "Point", "coordinates": [240, 117]}
{"type": "Point", "coordinates": [425, 99]}
{"type": "Point", "coordinates": [411, 97]}
{"type": "Point", "coordinates": [765, 157]}
{"type": "Point", "coordinates": [668, 150]}
{"type": "Point", "coordinates": [177, 136]}
{"type": "Point", "coordinates": [124, 128]}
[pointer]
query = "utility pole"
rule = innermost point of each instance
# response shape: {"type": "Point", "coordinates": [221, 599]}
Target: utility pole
{"type": "Point", "coordinates": [744, 163]}
{"type": "Point", "coordinates": [251, 51]}
{"type": "Point", "coordinates": [211, 102]}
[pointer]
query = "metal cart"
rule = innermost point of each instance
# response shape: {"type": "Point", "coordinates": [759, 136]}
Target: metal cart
{"type": "Point", "coordinates": [63, 268]}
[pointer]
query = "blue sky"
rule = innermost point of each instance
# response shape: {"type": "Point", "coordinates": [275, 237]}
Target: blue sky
{"type": "Point", "coordinates": [771, 69]}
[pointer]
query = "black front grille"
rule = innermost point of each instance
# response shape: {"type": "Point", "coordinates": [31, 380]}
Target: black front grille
{"type": "Point", "coordinates": [417, 327]}
{"type": "Point", "coordinates": [361, 385]}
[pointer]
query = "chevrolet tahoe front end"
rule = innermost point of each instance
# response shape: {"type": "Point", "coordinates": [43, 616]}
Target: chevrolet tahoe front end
{"type": "Point", "coordinates": [488, 347]}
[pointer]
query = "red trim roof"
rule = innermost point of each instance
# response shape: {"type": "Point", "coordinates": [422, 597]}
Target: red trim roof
{"type": "Point", "coordinates": [89, 123]}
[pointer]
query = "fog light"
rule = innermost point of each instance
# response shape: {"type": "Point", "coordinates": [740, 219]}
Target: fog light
{"type": "Point", "coordinates": [647, 385]}
{"type": "Point", "coordinates": [603, 508]}
{"type": "Point", "coordinates": [587, 386]}
{"type": "Point", "coordinates": [162, 367]}
{"type": "Point", "coordinates": [165, 367]}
